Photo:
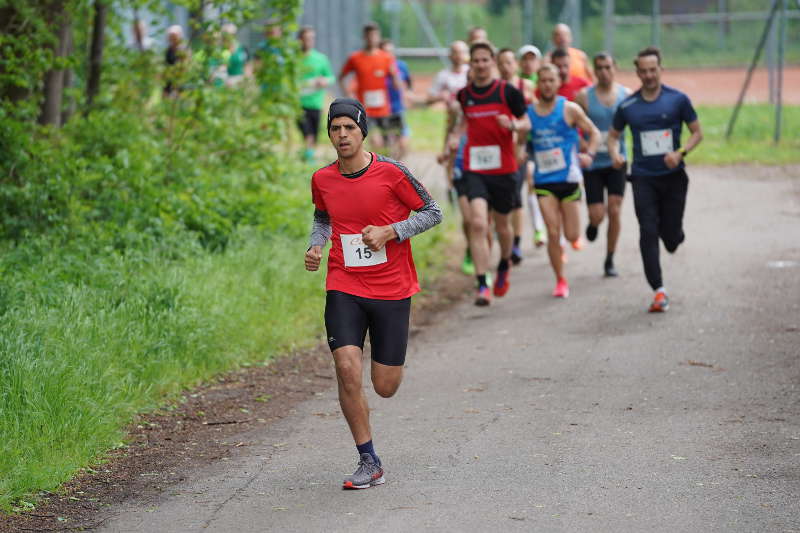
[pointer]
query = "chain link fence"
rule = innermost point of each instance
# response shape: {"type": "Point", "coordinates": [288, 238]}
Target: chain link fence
{"type": "Point", "coordinates": [691, 33]}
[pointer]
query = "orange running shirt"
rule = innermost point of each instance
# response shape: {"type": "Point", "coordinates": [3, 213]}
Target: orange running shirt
{"type": "Point", "coordinates": [576, 64]}
{"type": "Point", "coordinates": [371, 71]}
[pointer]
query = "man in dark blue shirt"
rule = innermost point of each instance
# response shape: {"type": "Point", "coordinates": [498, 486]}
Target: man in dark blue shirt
{"type": "Point", "coordinates": [397, 125]}
{"type": "Point", "coordinates": [656, 114]}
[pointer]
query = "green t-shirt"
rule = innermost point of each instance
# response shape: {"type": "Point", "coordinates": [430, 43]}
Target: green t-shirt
{"type": "Point", "coordinates": [237, 61]}
{"type": "Point", "coordinates": [533, 77]}
{"type": "Point", "coordinates": [314, 64]}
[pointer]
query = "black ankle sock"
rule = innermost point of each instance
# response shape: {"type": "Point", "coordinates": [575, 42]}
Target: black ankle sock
{"type": "Point", "coordinates": [503, 264]}
{"type": "Point", "coordinates": [517, 240]}
{"type": "Point", "coordinates": [482, 280]}
{"type": "Point", "coordinates": [610, 258]}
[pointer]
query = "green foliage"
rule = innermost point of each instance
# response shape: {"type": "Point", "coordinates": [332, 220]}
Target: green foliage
{"type": "Point", "coordinates": [149, 244]}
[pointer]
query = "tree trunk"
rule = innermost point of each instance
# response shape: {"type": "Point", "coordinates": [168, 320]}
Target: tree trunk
{"type": "Point", "coordinates": [69, 107]}
{"type": "Point", "coordinates": [96, 52]}
{"type": "Point", "coordinates": [58, 19]}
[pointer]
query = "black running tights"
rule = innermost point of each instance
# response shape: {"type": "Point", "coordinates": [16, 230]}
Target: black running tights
{"type": "Point", "coordinates": [659, 203]}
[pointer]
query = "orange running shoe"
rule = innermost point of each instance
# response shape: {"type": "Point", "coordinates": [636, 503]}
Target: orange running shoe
{"type": "Point", "coordinates": [577, 244]}
{"type": "Point", "coordinates": [660, 303]}
{"type": "Point", "coordinates": [562, 289]}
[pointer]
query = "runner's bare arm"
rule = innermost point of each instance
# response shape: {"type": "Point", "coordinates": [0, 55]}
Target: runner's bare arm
{"type": "Point", "coordinates": [673, 159]}
{"type": "Point", "coordinates": [521, 125]}
{"type": "Point", "coordinates": [576, 117]}
{"type": "Point", "coordinates": [582, 99]}
{"type": "Point", "coordinates": [617, 161]}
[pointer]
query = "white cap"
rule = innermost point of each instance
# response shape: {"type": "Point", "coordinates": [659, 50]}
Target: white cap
{"type": "Point", "coordinates": [529, 49]}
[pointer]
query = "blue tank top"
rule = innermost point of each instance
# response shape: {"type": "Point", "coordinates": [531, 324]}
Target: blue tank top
{"type": "Point", "coordinates": [603, 117]}
{"type": "Point", "coordinates": [554, 146]}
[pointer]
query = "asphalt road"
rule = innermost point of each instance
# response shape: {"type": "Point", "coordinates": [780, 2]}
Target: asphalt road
{"type": "Point", "coordinates": [586, 414]}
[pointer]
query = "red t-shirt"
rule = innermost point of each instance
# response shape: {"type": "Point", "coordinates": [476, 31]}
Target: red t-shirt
{"type": "Point", "coordinates": [382, 195]}
{"type": "Point", "coordinates": [490, 147]}
{"type": "Point", "coordinates": [569, 89]}
{"type": "Point", "coordinates": [371, 71]}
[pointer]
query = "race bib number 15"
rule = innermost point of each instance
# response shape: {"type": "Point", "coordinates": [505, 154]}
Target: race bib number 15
{"type": "Point", "coordinates": [656, 142]}
{"type": "Point", "coordinates": [358, 254]}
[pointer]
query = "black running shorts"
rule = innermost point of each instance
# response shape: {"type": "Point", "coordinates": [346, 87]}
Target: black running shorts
{"type": "Point", "coordinates": [594, 181]}
{"type": "Point", "coordinates": [348, 317]}
{"type": "Point", "coordinates": [460, 185]}
{"type": "Point", "coordinates": [565, 192]}
{"type": "Point", "coordinates": [309, 122]}
{"type": "Point", "coordinates": [496, 189]}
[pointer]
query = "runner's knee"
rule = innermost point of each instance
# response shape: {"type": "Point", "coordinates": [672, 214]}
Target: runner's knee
{"type": "Point", "coordinates": [572, 234]}
{"type": "Point", "coordinates": [478, 223]}
{"type": "Point", "coordinates": [386, 389]}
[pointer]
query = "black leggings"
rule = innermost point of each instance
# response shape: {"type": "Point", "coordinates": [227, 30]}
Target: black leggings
{"type": "Point", "coordinates": [659, 203]}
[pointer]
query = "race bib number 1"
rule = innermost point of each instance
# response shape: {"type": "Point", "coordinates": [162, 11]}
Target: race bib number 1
{"type": "Point", "coordinates": [656, 142]}
{"type": "Point", "coordinates": [484, 157]}
{"type": "Point", "coordinates": [375, 98]}
{"type": "Point", "coordinates": [358, 254]}
{"type": "Point", "coordinates": [550, 160]}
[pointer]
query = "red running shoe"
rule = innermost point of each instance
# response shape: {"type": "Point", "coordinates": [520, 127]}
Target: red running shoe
{"type": "Point", "coordinates": [483, 297]}
{"type": "Point", "coordinates": [502, 283]}
{"type": "Point", "coordinates": [660, 303]}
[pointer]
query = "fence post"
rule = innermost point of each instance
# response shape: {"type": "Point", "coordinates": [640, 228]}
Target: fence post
{"type": "Point", "coordinates": [779, 84]}
{"type": "Point", "coordinates": [750, 70]}
{"type": "Point", "coordinates": [656, 24]}
{"type": "Point", "coordinates": [608, 26]}
{"type": "Point", "coordinates": [527, 21]}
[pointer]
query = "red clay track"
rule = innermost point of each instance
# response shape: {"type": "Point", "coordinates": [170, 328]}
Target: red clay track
{"type": "Point", "coordinates": [706, 86]}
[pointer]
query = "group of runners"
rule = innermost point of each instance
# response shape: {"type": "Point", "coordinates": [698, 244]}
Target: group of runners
{"type": "Point", "coordinates": [553, 121]}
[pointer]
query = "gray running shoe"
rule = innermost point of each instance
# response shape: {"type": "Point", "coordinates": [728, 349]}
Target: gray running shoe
{"type": "Point", "coordinates": [368, 474]}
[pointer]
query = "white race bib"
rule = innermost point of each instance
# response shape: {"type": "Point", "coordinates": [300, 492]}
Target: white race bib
{"type": "Point", "coordinates": [603, 142]}
{"type": "Point", "coordinates": [656, 142]}
{"type": "Point", "coordinates": [550, 160]}
{"type": "Point", "coordinates": [375, 98]}
{"type": "Point", "coordinates": [358, 254]}
{"type": "Point", "coordinates": [484, 157]}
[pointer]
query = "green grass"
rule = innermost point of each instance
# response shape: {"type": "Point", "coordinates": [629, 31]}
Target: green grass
{"type": "Point", "coordinates": [751, 141]}
{"type": "Point", "coordinates": [90, 339]}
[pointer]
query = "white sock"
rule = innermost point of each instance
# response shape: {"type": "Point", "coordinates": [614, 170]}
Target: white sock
{"type": "Point", "coordinates": [535, 213]}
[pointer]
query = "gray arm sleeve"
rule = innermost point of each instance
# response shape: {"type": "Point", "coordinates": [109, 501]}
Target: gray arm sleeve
{"type": "Point", "coordinates": [321, 228]}
{"type": "Point", "coordinates": [427, 216]}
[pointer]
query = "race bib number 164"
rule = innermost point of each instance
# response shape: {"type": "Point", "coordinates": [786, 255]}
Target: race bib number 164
{"type": "Point", "coordinates": [358, 254]}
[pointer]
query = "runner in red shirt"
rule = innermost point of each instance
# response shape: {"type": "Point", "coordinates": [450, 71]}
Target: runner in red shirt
{"type": "Point", "coordinates": [362, 204]}
{"type": "Point", "coordinates": [571, 85]}
{"type": "Point", "coordinates": [371, 65]}
{"type": "Point", "coordinates": [493, 110]}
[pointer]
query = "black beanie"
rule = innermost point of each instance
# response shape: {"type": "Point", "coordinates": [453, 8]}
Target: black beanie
{"type": "Point", "coordinates": [348, 107]}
